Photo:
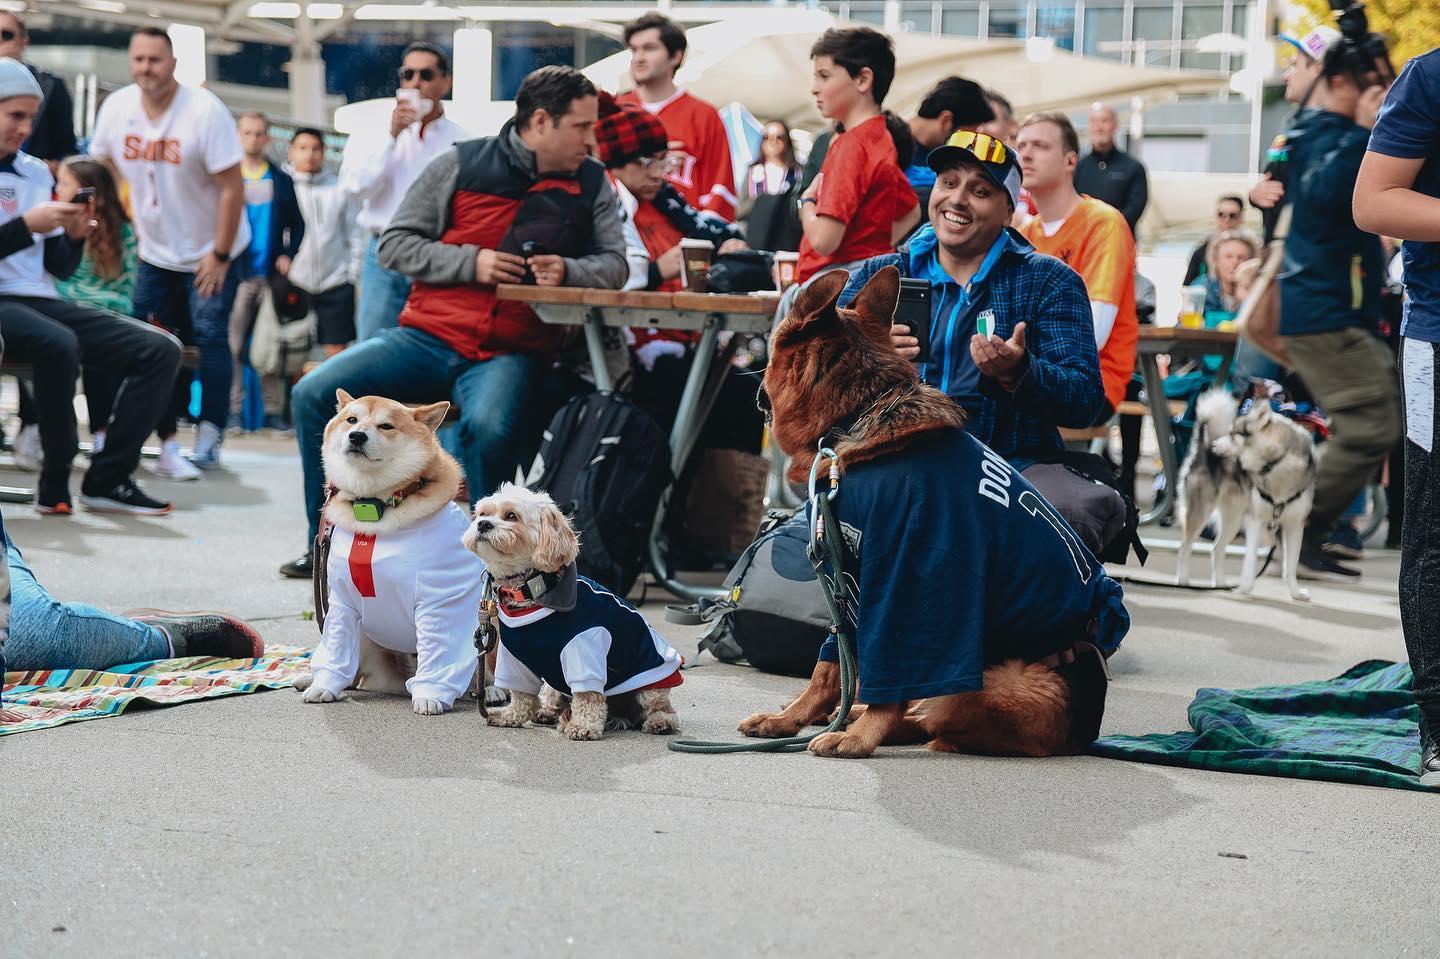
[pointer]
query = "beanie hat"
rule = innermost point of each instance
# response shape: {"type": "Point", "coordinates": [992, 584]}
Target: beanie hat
{"type": "Point", "coordinates": [625, 133]}
{"type": "Point", "coordinates": [16, 80]}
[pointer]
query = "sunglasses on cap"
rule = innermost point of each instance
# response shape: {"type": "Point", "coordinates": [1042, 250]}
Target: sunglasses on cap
{"type": "Point", "coordinates": [426, 74]}
{"type": "Point", "coordinates": [986, 148]}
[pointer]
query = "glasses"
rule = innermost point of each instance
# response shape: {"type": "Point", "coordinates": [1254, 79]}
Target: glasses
{"type": "Point", "coordinates": [985, 148]}
{"type": "Point", "coordinates": [426, 74]}
{"type": "Point", "coordinates": [775, 136]}
{"type": "Point", "coordinates": [1227, 214]}
{"type": "Point", "coordinates": [667, 164]}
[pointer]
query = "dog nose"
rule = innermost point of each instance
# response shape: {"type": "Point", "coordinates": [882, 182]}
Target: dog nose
{"type": "Point", "coordinates": [484, 526]}
{"type": "Point", "coordinates": [358, 437]}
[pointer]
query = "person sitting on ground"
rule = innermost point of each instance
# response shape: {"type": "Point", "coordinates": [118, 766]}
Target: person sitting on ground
{"type": "Point", "coordinates": [459, 231]}
{"type": "Point", "coordinates": [324, 267]}
{"type": "Point", "coordinates": [1011, 335]}
{"type": "Point", "coordinates": [1229, 215]}
{"type": "Point", "coordinates": [954, 103]}
{"type": "Point", "coordinates": [45, 237]}
{"type": "Point", "coordinates": [45, 633]}
{"type": "Point", "coordinates": [860, 205]}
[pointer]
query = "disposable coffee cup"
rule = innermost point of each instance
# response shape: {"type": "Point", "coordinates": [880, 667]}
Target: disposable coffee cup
{"type": "Point", "coordinates": [695, 258]}
{"type": "Point", "coordinates": [787, 270]}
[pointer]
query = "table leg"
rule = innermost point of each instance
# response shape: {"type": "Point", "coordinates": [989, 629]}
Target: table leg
{"type": "Point", "coordinates": [595, 344]}
{"type": "Point", "coordinates": [1160, 417]}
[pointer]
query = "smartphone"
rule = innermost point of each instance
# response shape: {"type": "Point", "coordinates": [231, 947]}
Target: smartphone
{"type": "Point", "coordinates": [528, 249]}
{"type": "Point", "coordinates": [913, 311]}
{"type": "Point", "coordinates": [83, 195]}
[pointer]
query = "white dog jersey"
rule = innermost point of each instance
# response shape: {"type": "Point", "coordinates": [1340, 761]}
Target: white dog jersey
{"type": "Point", "coordinates": [413, 591]}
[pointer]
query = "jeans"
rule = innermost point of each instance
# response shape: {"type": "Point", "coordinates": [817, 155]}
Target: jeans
{"type": "Point", "coordinates": [57, 337]}
{"type": "Point", "coordinates": [171, 298]}
{"type": "Point", "coordinates": [1420, 537]}
{"type": "Point", "coordinates": [48, 634]}
{"type": "Point", "coordinates": [1352, 377]}
{"type": "Point", "coordinates": [496, 399]}
{"type": "Point", "coordinates": [248, 294]}
{"type": "Point", "coordinates": [382, 295]}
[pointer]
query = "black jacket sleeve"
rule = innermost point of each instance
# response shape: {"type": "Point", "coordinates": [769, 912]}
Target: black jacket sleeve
{"type": "Point", "coordinates": [54, 135]}
{"type": "Point", "coordinates": [287, 216]}
{"type": "Point", "coordinates": [1137, 194]}
{"type": "Point", "coordinates": [62, 256]}
{"type": "Point", "coordinates": [14, 237]}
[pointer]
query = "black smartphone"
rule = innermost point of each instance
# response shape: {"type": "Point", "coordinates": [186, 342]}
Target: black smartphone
{"type": "Point", "coordinates": [913, 311]}
{"type": "Point", "coordinates": [528, 249]}
{"type": "Point", "coordinates": [83, 195]}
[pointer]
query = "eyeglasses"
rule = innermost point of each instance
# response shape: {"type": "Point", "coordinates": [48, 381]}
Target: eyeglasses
{"type": "Point", "coordinates": [985, 148]}
{"type": "Point", "coordinates": [774, 136]}
{"type": "Point", "coordinates": [426, 74]}
{"type": "Point", "coordinates": [667, 164]}
{"type": "Point", "coordinates": [1228, 214]}
{"type": "Point", "coordinates": [8, 35]}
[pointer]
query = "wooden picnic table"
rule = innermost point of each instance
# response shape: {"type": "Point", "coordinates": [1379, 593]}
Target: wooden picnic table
{"type": "Point", "coordinates": [709, 313]}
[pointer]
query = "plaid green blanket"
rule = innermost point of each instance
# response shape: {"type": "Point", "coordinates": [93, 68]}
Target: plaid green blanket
{"type": "Point", "coordinates": [52, 697]}
{"type": "Point", "coordinates": [1360, 727]}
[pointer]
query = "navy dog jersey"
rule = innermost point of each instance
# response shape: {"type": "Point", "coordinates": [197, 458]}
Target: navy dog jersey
{"type": "Point", "coordinates": [603, 645]}
{"type": "Point", "coordinates": [962, 564]}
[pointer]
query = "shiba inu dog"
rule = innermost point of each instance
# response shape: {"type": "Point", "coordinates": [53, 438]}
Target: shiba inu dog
{"type": "Point", "coordinates": [403, 592]}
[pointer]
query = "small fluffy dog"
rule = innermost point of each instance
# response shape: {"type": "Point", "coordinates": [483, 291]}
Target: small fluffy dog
{"type": "Point", "coordinates": [404, 594]}
{"type": "Point", "coordinates": [602, 659]}
{"type": "Point", "coordinates": [1259, 468]}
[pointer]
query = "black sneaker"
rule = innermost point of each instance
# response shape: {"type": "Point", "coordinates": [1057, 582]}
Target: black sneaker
{"type": "Point", "coordinates": [302, 568]}
{"type": "Point", "coordinates": [1345, 542]}
{"type": "Point", "coordinates": [53, 499]}
{"type": "Point", "coordinates": [1429, 756]}
{"type": "Point", "coordinates": [1315, 565]}
{"type": "Point", "coordinates": [124, 497]}
{"type": "Point", "coordinates": [203, 634]}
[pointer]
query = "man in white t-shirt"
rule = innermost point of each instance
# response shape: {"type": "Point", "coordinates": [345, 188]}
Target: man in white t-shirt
{"type": "Point", "coordinates": [378, 170]}
{"type": "Point", "coordinates": [178, 149]}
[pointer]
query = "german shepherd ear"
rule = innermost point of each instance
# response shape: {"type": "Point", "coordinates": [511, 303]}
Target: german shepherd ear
{"type": "Point", "coordinates": [875, 303]}
{"type": "Point", "coordinates": [818, 300]}
{"type": "Point", "coordinates": [433, 415]}
{"type": "Point", "coordinates": [342, 400]}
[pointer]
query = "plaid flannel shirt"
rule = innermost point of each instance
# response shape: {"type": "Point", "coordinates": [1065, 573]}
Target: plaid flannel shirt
{"type": "Point", "coordinates": [1061, 386]}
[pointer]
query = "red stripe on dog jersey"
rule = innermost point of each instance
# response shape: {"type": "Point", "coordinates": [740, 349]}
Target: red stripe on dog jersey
{"type": "Point", "coordinates": [362, 550]}
{"type": "Point", "coordinates": [669, 682]}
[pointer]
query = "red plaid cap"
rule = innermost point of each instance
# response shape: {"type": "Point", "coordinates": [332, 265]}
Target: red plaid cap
{"type": "Point", "coordinates": [626, 133]}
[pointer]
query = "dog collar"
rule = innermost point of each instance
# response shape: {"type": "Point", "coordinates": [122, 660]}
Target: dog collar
{"type": "Point", "coordinates": [370, 509]}
{"type": "Point", "coordinates": [550, 590]}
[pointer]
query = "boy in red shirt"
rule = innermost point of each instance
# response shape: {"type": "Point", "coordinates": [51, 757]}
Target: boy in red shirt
{"type": "Point", "coordinates": [860, 205]}
{"type": "Point", "coordinates": [699, 162]}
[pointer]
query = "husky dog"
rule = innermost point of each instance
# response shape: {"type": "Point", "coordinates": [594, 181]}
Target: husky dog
{"type": "Point", "coordinates": [1259, 468]}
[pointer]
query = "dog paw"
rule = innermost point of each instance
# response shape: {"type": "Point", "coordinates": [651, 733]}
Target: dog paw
{"type": "Point", "coordinates": [429, 707]}
{"type": "Point", "coordinates": [317, 695]}
{"type": "Point", "coordinates": [495, 697]}
{"type": "Point", "coordinates": [302, 682]}
{"type": "Point", "coordinates": [661, 724]}
{"type": "Point", "coordinates": [1247, 588]}
{"type": "Point", "coordinates": [507, 718]}
{"type": "Point", "coordinates": [1300, 595]}
{"type": "Point", "coordinates": [839, 746]}
{"type": "Point", "coordinates": [580, 731]}
{"type": "Point", "coordinates": [770, 726]}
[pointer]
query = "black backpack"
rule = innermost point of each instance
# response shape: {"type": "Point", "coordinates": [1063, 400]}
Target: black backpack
{"type": "Point", "coordinates": [605, 463]}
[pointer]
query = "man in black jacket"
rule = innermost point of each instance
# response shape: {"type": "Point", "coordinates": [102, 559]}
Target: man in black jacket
{"type": "Point", "coordinates": [1110, 174]}
{"type": "Point", "coordinates": [52, 137]}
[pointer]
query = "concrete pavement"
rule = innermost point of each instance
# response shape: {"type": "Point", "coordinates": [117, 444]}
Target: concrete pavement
{"type": "Point", "coordinates": [256, 825]}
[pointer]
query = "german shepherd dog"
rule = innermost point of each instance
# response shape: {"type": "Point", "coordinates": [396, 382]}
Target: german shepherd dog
{"type": "Point", "coordinates": [827, 364]}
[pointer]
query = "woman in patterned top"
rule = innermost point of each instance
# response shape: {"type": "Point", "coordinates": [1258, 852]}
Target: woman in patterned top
{"type": "Point", "coordinates": [106, 276]}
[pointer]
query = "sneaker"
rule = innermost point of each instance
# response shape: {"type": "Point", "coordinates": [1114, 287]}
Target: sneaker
{"type": "Point", "coordinates": [302, 568]}
{"type": "Point", "coordinates": [234, 425]}
{"type": "Point", "coordinates": [1429, 756]}
{"type": "Point", "coordinates": [97, 442]}
{"type": "Point", "coordinates": [1345, 542]}
{"type": "Point", "coordinates": [277, 423]}
{"type": "Point", "coordinates": [28, 453]}
{"type": "Point", "coordinates": [1315, 565]}
{"type": "Point", "coordinates": [124, 497]}
{"type": "Point", "coordinates": [208, 438]}
{"type": "Point", "coordinates": [53, 499]}
{"type": "Point", "coordinates": [171, 465]}
{"type": "Point", "coordinates": [203, 634]}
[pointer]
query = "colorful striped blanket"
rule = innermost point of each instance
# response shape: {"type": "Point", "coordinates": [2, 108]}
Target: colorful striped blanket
{"type": "Point", "coordinates": [53, 697]}
{"type": "Point", "coordinates": [1360, 727]}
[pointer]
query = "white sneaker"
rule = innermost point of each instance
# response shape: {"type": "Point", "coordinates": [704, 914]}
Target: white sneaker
{"type": "Point", "coordinates": [171, 465]}
{"type": "Point", "coordinates": [97, 442]}
{"type": "Point", "coordinates": [208, 438]}
{"type": "Point", "coordinates": [29, 455]}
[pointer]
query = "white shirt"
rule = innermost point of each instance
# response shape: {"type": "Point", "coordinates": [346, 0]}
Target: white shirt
{"type": "Point", "coordinates": [418, 591]}
{"type": "Point", "coordinates": [635, 253]}
{"type": "Point", "coordinates": [23, 273]}
{"type": "Point", "coordinates": [170, 163]}
{"type": "Point", "coordinates": [379, 171]}
{"type": "Point", "coordinates": [326, 253]}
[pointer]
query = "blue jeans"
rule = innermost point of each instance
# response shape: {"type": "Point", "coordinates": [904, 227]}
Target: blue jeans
{"type": "Point", "coordinates": [171, 299]}
{"type": "Point", "coordinates": [48, 634]}
{"type": "Point", "coordinates": [495, 396]}
{"type": "Point", "coordinates": [382, 295]}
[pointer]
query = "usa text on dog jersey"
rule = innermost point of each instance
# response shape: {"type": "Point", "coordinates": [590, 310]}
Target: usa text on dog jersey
{"type": "Point", "coordinates": [602, 645]}
{"type": "Point", "coordinates": [962, 564]}
{"type": "Point", "coordinates": [414, 591]}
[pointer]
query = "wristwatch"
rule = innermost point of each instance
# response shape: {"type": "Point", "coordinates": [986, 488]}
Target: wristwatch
{"type": "Point", "coordinates": [222, 257]}
{"type": "Point", "coordinates": [800, 203]}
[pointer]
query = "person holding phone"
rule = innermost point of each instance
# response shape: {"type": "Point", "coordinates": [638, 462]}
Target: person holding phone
{"type": "Point", "coordinates": [377, 172]}
{"type": "Point", "coordinates": [1010, 333]}
{"type": "Point", "coordinates": [44, 238]}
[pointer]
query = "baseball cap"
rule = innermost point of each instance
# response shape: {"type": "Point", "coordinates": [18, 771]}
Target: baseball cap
{"type": "Point", "coordinates": [994, 157]}
{"type": "Point", "coordinates": [1313, 44]}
